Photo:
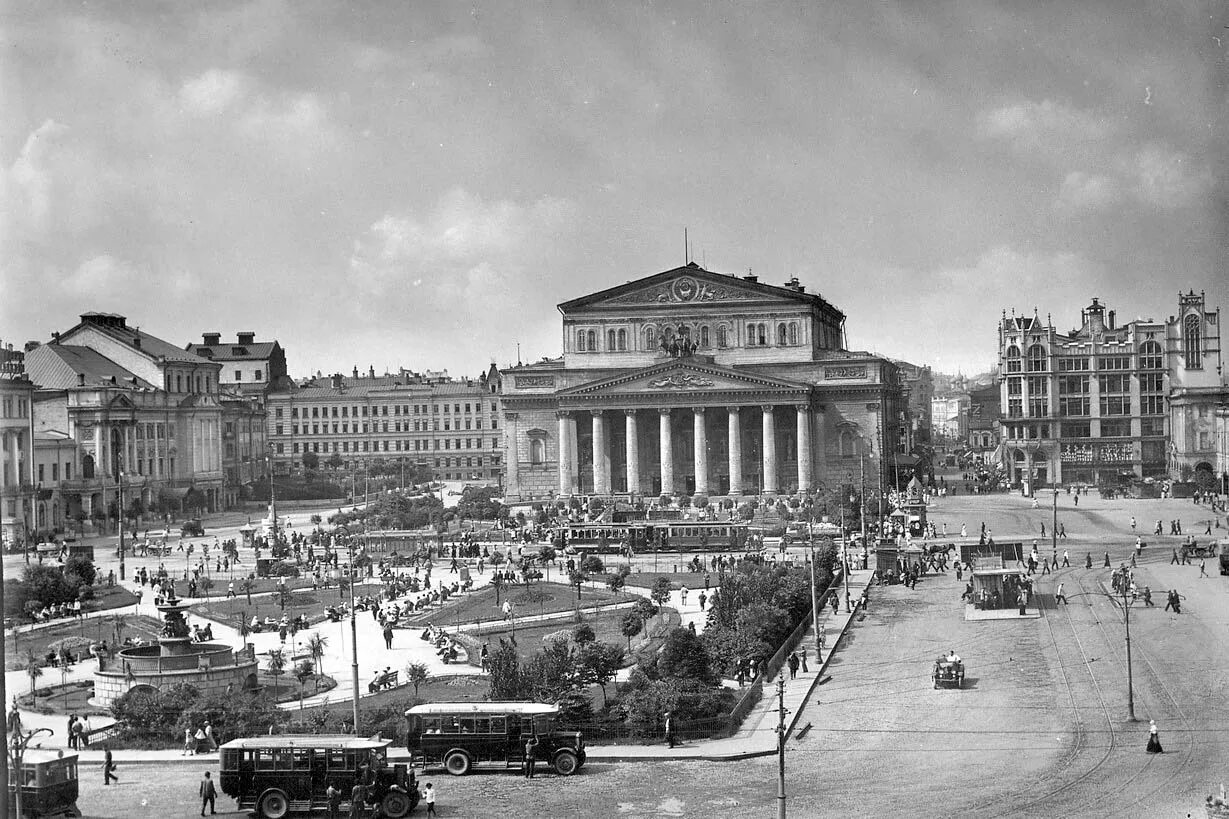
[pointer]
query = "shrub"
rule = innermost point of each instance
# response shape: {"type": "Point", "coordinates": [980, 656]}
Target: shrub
{"type": "Point", "coordinates": [150, 714]}
{"type": "Point", "coordinates": [664, 500]}
{"type": "Point", "coordinates": [684, 656]}
{"type": "Point", "coordinates": [583, 634]}
{"type": "Point", "coordinates": [79, 570]}
{"type": "Point", "coordinates": [233, 716]}
{"type": "Point", "coordinates": [592, 564]}
{"type": "Point", "coordinates": [699, 501]}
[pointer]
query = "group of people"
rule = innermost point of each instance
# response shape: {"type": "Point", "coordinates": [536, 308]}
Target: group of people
{"type": "Point", "coordinates": [57, 610]}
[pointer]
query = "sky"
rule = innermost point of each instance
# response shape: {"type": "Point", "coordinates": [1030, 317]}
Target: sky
{"type": "Point", "coordinates": [419, 184]}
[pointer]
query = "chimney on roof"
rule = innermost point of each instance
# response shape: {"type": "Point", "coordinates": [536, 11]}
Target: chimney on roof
{"type": "Point", "coordinates": [371, 371]}
{"type": "Point", "coordinates": [792, 284]}
{"type": "Point", "coordinates": [136, 342]}
{"type": "Point", "coordinates": [751, 278]}
{"type": "Point", "coordinates": [356, 372]}
{"type": "Point", "coordinates": [80, 379]}
{"type": "Point", "coordinates": [1111, 319]}
{"type": "Point", "coordinates": [212, 339]}
{"type": "Point", "coordinates": [31, 345]}
{"type": "Point", "coordinates": [335, 380]}
{"type": "Point", "coordinates": [55, 336]}
{"type": "Point", "coordinates": [246, 337]}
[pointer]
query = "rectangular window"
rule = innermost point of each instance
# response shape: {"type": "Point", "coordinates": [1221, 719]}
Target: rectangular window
{"type": "Point", "coordinates": [1114, 362]}
{"type": "Point", "coordinates": [42, 478]}
{"type": "Point", "coordinates": [259, 375]}
{"type": "Point", "coordinates": [1151, 405]}
{"type": "Point", "coordinates": [55, 473]}
{"type": "Point", "coordinates": [281, 449]}
{"type": "Point", "coordinates": [1152, 426]}
{"type": "Point", "coordinates": [1077, 429]}
{"type": "Point", "coordinates": [1073, 385]}
{"type": "Point", "coordinates": [1074, 405]}
{"type": "Point", "coordinates": [1038, 385]}
{"type": "Point", "coordinates": [1068, 364]}
{"type": "Point", "coordinates": [277, 413]}
{"type": "Point", "coordinates": [1116, 429]}
{"type": "Point", "coordinates": [1015, 386]}
{"type": "Point", "coordinates": [1152, 382]}
{"type": "Point", "coordinates": [1038, 407]}
{"type": "Point", "coordinates": [1015, 408]}
{"type": "Point", "coordinates": [1115, 405]}
{"type": "Point", "coordinates": [1111, 384]}
{"type": "Point", "coordinates": [238, 375]}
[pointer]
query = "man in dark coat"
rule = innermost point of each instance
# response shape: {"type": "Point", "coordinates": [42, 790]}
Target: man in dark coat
{"type": "Point", "coordinates": [208, 794]}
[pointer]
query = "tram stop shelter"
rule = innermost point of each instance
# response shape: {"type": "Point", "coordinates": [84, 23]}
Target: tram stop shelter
{"type": "Point", "coordinates": [996, 591]}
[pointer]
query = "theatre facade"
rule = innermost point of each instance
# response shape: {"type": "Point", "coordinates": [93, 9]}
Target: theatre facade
{"type": "Point", "coordinates": [693, 382]}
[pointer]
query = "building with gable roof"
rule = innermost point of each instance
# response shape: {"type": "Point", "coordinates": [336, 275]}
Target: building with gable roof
{"type": "Point", "coordinates": [700, 383]}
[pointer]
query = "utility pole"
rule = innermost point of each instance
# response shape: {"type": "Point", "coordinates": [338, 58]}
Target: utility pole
{"type": "Point", "coordinates": [1054, 525]}
{"type": "Point", "coordinates": [862, 506]}
{"type": "Point", "coordinates": [815, 608]}
{"type": "Point", "coordinates": [121, 525]}
{"type": "Point", "coordinates": [353, 633]}
{"type": "Point", "coordinates": [781, 745]}
{"type": "Point", "coordinates": [1126, 614]}
{"type": "Point", "coordinates": [844, 557]}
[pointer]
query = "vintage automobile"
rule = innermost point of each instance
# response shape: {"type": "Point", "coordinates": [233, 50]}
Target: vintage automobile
{"type": "Point", "coordinates": [192, 528]}
{"type": "Point", "coordinates": [948, 673]}
{"type": "Point", "coordinates": [467, 736]}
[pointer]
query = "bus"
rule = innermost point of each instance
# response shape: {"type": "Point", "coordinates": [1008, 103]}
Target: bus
{"type": "Point", "coordinates": [463, 736]}
{"type": "Point", "coordinates": [659, 535]}
{"type": "Point", "coordinates": [278, 775]}
{"type": "Point", "coordinates": [48, 781]}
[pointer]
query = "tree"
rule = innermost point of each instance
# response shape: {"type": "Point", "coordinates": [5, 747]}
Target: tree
{"type": "Point", "coordinates": [315, 647]}
{"type": "Point", "coordinates": [246, 585]}
{"type": "Point", "coordinates": [311, 461]}
{"type": "Point", "coordinates": [79, 570]}
{"type": "Point", "coordinates": [644, 609]}
{"type": "Point", "coordinates": [417, 674]}
{"type": "Point", "coordinates": [684, 656]}
{"type": "Point", "coordinates": [334, 462]}
{"type": "Point", "coordinates": [206, 583]}
{"type": "Point", "coordinates": [546, 556]}
{"type": "Point", "coordinates": [583, 634]}
{"type": "Point", "coordinates": [276, 666]}
{"type": "Point", "coordinates": [505, 669]}
{"type": "Point", "coordinates": [34, 670]}
{"type": "Point", "coordinates": [617, 580]}
{"type": "Point", "coordinates": [303, 672]}
{"type": "Point", "coordinates": [660, 593]}
{"type": "Point", "coordinates": [577, 577]}
{"type": "Point", "coordinates": [631, 625]}
{"type": "Point", "coordinates": [600, 662]}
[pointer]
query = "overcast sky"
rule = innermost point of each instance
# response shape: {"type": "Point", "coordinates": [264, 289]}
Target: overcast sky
{"type": "Point", "coordinates": [418, 185]}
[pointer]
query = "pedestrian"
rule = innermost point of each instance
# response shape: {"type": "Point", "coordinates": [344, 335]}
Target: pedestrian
{"type": "Point", "coordinates": [1043, 529]}
{"type": "Point", "coordinates": [429, 796]}
{"type": "Point", "coordinates": [72, 736]}
{"type": "Point", "coordinates": [14, 719]}
{"type": "Point", "coordinates": [1147, 596]}
{"type": "Point", "coordinates": [1175, 559]}
{"type": "Point", "coordinates": [1107, 559]}
{"type": "Point", "coordinates": [358, 799]}
{"type": "Point", "coordinates": [670, 740]}
{"type": "Point", "coordinates": [1062, 530]}
{"type": "Point", "coordinates": [1154, 739]}
{"type": "Point", "coordinates": [1059, 597]}
{"type": "Point", "coordinates": [1066, 560]}
{"type": "Point", "coordinates": [333, 798]}
{"type": "Point", "coordinates": [208, 794]}
{"type": "Point", "coordinates": [803, 657]}
{"type": "Point", "coordinates": [531, 755]}
{"type": "Point", "coordinates": [835, 603]}
{"type": "Point", "coordinates": [108, 768]}
{"type": "Point", "coordinates": [1203, 568]}
{"type": "Point", "coordinates": [198, 739]}
{"type": "Point", "coordinates": [793, 665]}
{"type": "Point", "coordinates": [188, 745]}
{"type": "Point", "coordinates": [213, 743]}
{"type": "Point", "coordinates": [683, 595]}
{"type": "Point", "coordinates": [1132, 523]}
{"type": "Point", "coordinates": [1022, 601]}
{"type": "Point", "coordinates": [388, 637]}
{"type": "Point", "coordinates": [702, 599]}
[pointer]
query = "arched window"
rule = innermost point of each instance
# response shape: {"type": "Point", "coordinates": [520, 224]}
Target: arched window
{"type": "Point", "coordinates": [1192, 340]}
{"type": "Point", "coordinates": [723, 339]}
{"type": "Point", "coordinates": [592, 340]}
{"type": "Point", "coordinates": [178, 388]}
{"type": "Point", "coordinates": [1013, 359]}
{"type": "Point", "coordinates": [793, 332]}
{"type": "Point", "coordinates": [622, 338]}
{"type": "Point", "coordinates": [704, 340]}
{"type": "Point", "coordinates": [1036, 359]}
{"type": "Point", "coordinates": [650, 338]}
{"type": "Point", "coordinates": [537, 451]}
{"type": "Point", "coordinates": [847, 444]}
{"type": "Point", "coordinates": [751, 336]}
{"type": "Point", "coordinates": [580, 341]}
{"type": "Point", "coordinates": [610, 340]}
{"type": "Point", "coordinates": [1150, 356]}
{"type": "Point", "coordinates": [781, 335]}
{"type": "Point", "coordinates": [762, 332]}
{"type": "Point", "coordinates": [87, 467]}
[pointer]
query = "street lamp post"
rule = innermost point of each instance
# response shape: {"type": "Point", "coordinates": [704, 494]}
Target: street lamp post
{"type": "Point", "coordinates": [845, 558]}
{"type": "Point", "coordinates": [1054, 526]}
{"type": "Point", "coordinates": [353, 631]}
{"type": "Point", "coordinates": [121, 526]}
{"type": "Point", "coordinates": [1126, 618]}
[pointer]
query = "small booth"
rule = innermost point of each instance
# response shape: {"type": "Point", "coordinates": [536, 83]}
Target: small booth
{"type": "Point", "coordinates": [997, 589]}
{"type": "Point", "coordinates": [247, 531]}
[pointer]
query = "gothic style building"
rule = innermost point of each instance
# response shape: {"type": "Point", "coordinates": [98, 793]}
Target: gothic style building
{"type": "Point", "coordinates": [694, 382]}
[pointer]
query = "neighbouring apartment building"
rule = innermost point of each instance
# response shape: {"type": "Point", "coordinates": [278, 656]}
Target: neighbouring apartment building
{"type": "Point", "coordinates": [1107, 400]}
{"type": "Point", "coordinates": [447, 425]}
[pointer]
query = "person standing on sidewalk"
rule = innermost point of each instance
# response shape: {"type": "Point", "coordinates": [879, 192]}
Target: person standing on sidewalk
{"type": "Point", "coordinates": [793, 665]}
{"type": "Point", "coordinates": [804, 659]}
{"type": "Point", "coordinates": [670, 738]}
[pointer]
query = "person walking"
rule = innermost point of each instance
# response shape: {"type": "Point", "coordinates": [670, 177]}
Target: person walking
{"type": "Point", "coordinates": [188, 745]}
{"type": "Point", "coordinates": [1132, 523]}
{"type": "Point", "coordinates": [68, 731]}
{"type": "Point", "coordinates": [1203, 568]}
{"type": "Point", "coordinates": [803, 657]}
{"type": "Point", "coordinates": [108, 768]}
{"type": "Point", "coordinates": [1059, 597]}
{"type": "Point", "coordinates": [428, 796]}
{"type": "Point", "coordinates": [531, 755]}
{"type": "Point", "coordinates": [1154, 739]}
{"type": "Point", "coordinates": [1066, 559]}
{"type": "Point", "coordinates": [1107, 559]}
{"type": "Point", "coordinates": [14, 719]}
{"type": "Point", "coordinates": [209, 794]}
{"type": "Point", "coordinates": [213, 743]}
{"type": "Point", "coordinates": [388, 637]}
{"type": "Point", "coordinates": [333, 799]}
{"type": "Point", "coordinates": [1175, 559]}
{"type": "Point", "coordinates": [793, 665]}
{"type": "Point", "coordinates": [670, 739]}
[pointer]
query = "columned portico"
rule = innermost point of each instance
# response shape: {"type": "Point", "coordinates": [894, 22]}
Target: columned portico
{"type": "Point", "coordinates": [734, 451]}
{"type": "Point", "coordinates": [667, 451]}
{"type": "Point", "coordinates": [804, 448]}
{"type": "Point", "coordinates": [566, 475]}
{"type": "Point", "coordinates": [513, 487]}
{"type": "Point", "coordinates": [601, 454]}
{"type": "Point", "coordinates": [768, 427]}
{"type": "Point", "coordinates": [632, 446]}
{"type": "Point", "coordinates": [700, 459]}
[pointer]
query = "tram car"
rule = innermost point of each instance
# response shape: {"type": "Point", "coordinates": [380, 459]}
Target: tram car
{"type": "Point", "coordinates": [948, 673]}
{"type": "Point", "coordinates": [658, 535]}
{"type": "Point", "coordinates": [48, 781]}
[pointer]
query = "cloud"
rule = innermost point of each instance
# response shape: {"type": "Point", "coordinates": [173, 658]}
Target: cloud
{"type": "Point", "coordinates": [1166, 179]}
{"type": "Point", "coordinates": [1082, 190]}
{"type": "Point", "coordinates": [99, 275]}
{"type": "Point", "coordinates": [212, 92]}
{"type": "Point", "coordinates": [1046, 124]}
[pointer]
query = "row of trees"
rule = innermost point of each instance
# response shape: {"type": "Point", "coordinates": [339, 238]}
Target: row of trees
{"type": "Point", "coordinates": [48, 585]}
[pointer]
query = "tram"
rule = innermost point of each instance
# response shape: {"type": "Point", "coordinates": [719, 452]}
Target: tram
{"type": "Point", "coordinates": [48, 782]}
{"type": "Point", "coordinates": [660, 535]}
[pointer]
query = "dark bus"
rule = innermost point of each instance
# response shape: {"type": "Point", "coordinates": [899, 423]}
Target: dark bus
{"type": "Point", "coordinates": [276, 776]}
{"type": "Point", "coordinates": [659, 535]}
{"type": "Point", "coordinates": [48, 781]}
{"type": "Point", "coordinates": [463, 736]}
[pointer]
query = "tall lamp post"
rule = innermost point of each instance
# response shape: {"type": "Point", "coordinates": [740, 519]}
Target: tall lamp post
{"type": "Point", "coordinates": [1126, 618]}
{"type": "Point", "coordinates": [122, 568]}
{"type": "Point", "coordinates": [272, 495]}
{"type": "Point", "coordinates": [1054, 525]}
{"type": "Point", "coordinates": [353, 627]}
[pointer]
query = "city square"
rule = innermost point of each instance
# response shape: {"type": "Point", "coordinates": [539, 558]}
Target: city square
{"type": "Point", "coordinates": [636, 410]}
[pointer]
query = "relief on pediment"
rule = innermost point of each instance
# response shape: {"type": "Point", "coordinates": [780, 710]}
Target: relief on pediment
{"type": "Point", "coordinates": [680, 381]}
{"type": "Point", "coordinates": [683, 290]}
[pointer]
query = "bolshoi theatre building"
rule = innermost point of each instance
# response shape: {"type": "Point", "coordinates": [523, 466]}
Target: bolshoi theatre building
{"type": "Point", "coordinates": [695, 382]}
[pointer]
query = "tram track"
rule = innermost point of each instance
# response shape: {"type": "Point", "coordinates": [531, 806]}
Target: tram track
{"type": "Point", "coordinates": [1082, 729]}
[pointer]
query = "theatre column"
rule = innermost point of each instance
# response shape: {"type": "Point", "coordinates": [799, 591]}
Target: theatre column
{"type": "Point", "coordinates": [565, 453]}
{"type": "Point", "coordinates": [735, 446]}
{"type": "Point", "coordinates": [667, 452]}
{"type": "Point", "coordinates": [804, 448]}
{"type": "Point", "coordinates": [512, 456]}
{"type": "Point", "coordinates": [632, 449]}
{"type": "Point", "coordinates": [700, 439]}
{"type": "Point", "coordinates": [768, 428]}
{"type": "Point", "coordinates": [601, 457]}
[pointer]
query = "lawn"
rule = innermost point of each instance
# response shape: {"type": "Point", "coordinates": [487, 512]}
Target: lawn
{"type": "Point", "coordinates": [261, 585]}
{"type": "Point", "coordinates": [72, 698]}
{"type": "Point", "coordinates": [109, 598]}
{"type": "Point", "coordinates": [95, 629]}
{"type": "Point", "coordinates": [287, 686]}
{"type": "Point", "coordinates": [606, 625]}
{"type": "Point", "coordinates": [645, 580]}
{"type": "Point", "coordinates": [311, 604]}
{"type": "Point", "coordinates": [538, 598]}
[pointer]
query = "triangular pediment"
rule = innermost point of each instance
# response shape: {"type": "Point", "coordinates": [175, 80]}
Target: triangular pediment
{"type": "Point", "coordinates": [682, 377]}
{"type": "Point", "coordinates": [687, 285]}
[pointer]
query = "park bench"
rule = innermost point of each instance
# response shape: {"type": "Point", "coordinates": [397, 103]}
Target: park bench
{"type": "Point", "coordinates": [383, 681]}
